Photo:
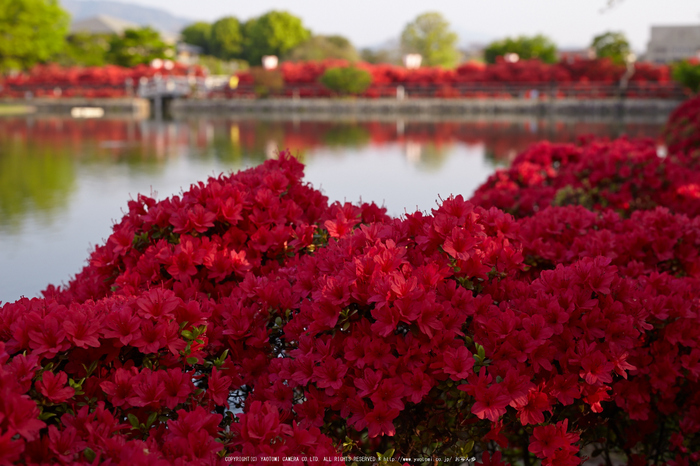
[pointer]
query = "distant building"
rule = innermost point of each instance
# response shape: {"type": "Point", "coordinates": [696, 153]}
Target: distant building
{"type": "Point", "coordinates": [188, 54]}
{"type": "Point", "coordinates": [672, 43]}
{"type": "Point", "coordinates": [102, 24]}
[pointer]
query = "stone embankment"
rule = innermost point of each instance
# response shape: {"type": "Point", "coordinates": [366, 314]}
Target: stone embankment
{"type": "Point", "coordinates": [627, 108]}
{"type": "Point", "coordinates": [84, 107]}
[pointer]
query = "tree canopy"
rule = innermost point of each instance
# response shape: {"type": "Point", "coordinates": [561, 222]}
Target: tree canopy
{"type": "Point", "coordinates": [324, 47]}
{"type": "Point", "coordinates": [687, 73]}
{"type": "Point", "coordinates": [85, 49]}
{"type": "Point", "coordinates": [539, 46]}
{"type": "Point", "coordinates": [138, 46]}
{"type": "Point", "coordinates": [198, 34]}
{"type": "Point", "coordinates": [226, 39]}
{"type": "Point", "coordinates": [613, 45]}
{"type": "Point", "coordinates": [430, 35]}
{"type": "Point", "coordinates": [31, 31]}
{"type": "Point", "coordinates": [274, 33]}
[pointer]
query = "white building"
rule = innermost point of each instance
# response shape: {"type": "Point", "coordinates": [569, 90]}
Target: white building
{"type": "Point", "coordinates": [672, 43]}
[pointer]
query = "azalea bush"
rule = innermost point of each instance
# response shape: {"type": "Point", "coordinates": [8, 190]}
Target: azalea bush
{"type": "Point", "coordinates": [346, 80]}
{"type": "Point", "coordinates": [681, 132]}
{"type": "Point", "coordinates": [622, 175]}
{"type": "Point", "coordinates": [552, 316]}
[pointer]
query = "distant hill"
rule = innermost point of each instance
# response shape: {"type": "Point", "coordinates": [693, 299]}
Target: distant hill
{"type": "Point", "coordinates": [142, 15]}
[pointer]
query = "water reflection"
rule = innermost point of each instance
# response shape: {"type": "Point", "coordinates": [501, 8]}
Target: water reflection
{"type": "Point", "coordinates": [63, 181]}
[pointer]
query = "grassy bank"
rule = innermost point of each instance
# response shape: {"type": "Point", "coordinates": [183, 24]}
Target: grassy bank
{"type": "Point", "coordinates": [13, 109]}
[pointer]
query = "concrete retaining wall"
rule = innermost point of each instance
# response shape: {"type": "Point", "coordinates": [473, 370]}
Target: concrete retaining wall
{"type": "Point", "coordinates": [646, 108]}
{"type": "Point", "coordinates": [138, 108]}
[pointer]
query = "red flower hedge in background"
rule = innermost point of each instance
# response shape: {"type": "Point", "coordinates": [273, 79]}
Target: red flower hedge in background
{"type": "Point", "coordinates": [682, 133]}
{"type": "Point", "coordinates": [576, 78]}
{"type": "Point", "coordinates": [248, 317]}
{"type": "Point", "coordinates": [579, 77]}
{"type": "Point", "coordinates": [96, 81]}
{"type": "Point", "coordinates": [529, 71]}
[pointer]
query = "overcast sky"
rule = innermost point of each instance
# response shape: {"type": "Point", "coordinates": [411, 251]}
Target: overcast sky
{"type": "Point", "coordinates": [372, 22]}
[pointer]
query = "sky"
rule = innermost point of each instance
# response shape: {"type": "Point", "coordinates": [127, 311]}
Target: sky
{"type": "Point", "coordinates": [570, 23]}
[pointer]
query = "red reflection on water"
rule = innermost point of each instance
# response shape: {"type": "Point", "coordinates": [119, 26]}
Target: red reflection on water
{"type": "Point", "coordinates": [112, 137]}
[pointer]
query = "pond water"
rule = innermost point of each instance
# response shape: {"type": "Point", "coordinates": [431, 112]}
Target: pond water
{"type": "Point", "coordinates": [64, 182]}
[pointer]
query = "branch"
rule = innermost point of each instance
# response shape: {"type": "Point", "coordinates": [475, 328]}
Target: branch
{"type": "Point", "coordinates": [610, 4]}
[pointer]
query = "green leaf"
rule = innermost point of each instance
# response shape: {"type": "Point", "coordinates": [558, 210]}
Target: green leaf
{"type": "Point", "coordinates": [89, 454]}
{"type": "Point", "coordinates": [133, 420]}
{"type": "Point", "coordinates": [44, 416]}
{"type": "Point", "coordinates": [91, 369]}
{"type": "Point", "coordinates": [187, 334]}
{"type": "Point", "coordinates": [151, 419]}
{"type": "Point", "coordinates": [192, 360]}
{"type": "Point", "coordinates": [468, 447]}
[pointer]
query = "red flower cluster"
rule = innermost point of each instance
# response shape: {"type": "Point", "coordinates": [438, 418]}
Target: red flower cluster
{"type": "Point", "coordinates": [249, 318]}
{"type": "Point", "coordinates": [93, 82]}
{"type": "Point", "coordinates": [623, 175]}
{"type": "Point", "coordinates": [682, 133]}
{"type": "Point", "coordinates": [474, 79]}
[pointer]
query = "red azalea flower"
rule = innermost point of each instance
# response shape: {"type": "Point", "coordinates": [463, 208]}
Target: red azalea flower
{"type": "Point", "coordinates": [53, 386]}
{"type": "Point", "coordinates": [121, 323]}
{"type": "Point", "coordinates": [178, 386]}
{"type": "Point", "coordinates": [218, 389]}
{"type": "Point", "coordinates": [152, 337]}
{"type": "Point", "coordinates": [490, 402]}
{"type": "Point", "coordinates": [417, 384]}
{"type": "Point", "coordinates": [49, 339]}
{"type": "Point", "coordinates": [547, 440]}
{"type": "Point", "coordinates": [329, 374]}
{"type": "Point", "coordinates": [491, 460]}
{"type": "Point", "coordinates": [83, 329]}
{"type": "Point", "coordinates": [389, 393]}
{"type": "Point", "coordinates": [595, 368]}
{"type": "Point", "coordinates": [10, 449]}
{"type": "Point", "coordinates": [531, 412]}
{"type": "Point", "coordinates": [457, 363]}
{"type": "Point", "coordinates": [122, 388]}
{"type": "Point", "coordinates": [380, 420]}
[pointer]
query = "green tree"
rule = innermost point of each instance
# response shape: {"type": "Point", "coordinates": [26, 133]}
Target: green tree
{"type": "Point", "coordinates": [346, 80]}
{"type": "Point", "coordinates": [199, 34]}
{"type": "Point", "coordinates": [85, 49]}
{"type": "Point", "coordinates": [383, 55]}
{"type": "Point", "coordinates": [31, 31]}
{"type": "Point", "coordinates": [539, 46]}
{"type": "Point", "coordinates": [429, 35]}
{"type": "Point", "coordinates": [324, 47]}
{"type": "Point", "coordinates": [613, 45]}
{"type": "Point", "coordinates": [687, 74]}
{"type": "Point", "coordinates": [138, 46]}
{"type": "Point", "coordinates": [274, 33]}
{"type": "Point", "coordinates": [226, 39]}
{"type": "Point", "coordinates": [218, 66]}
